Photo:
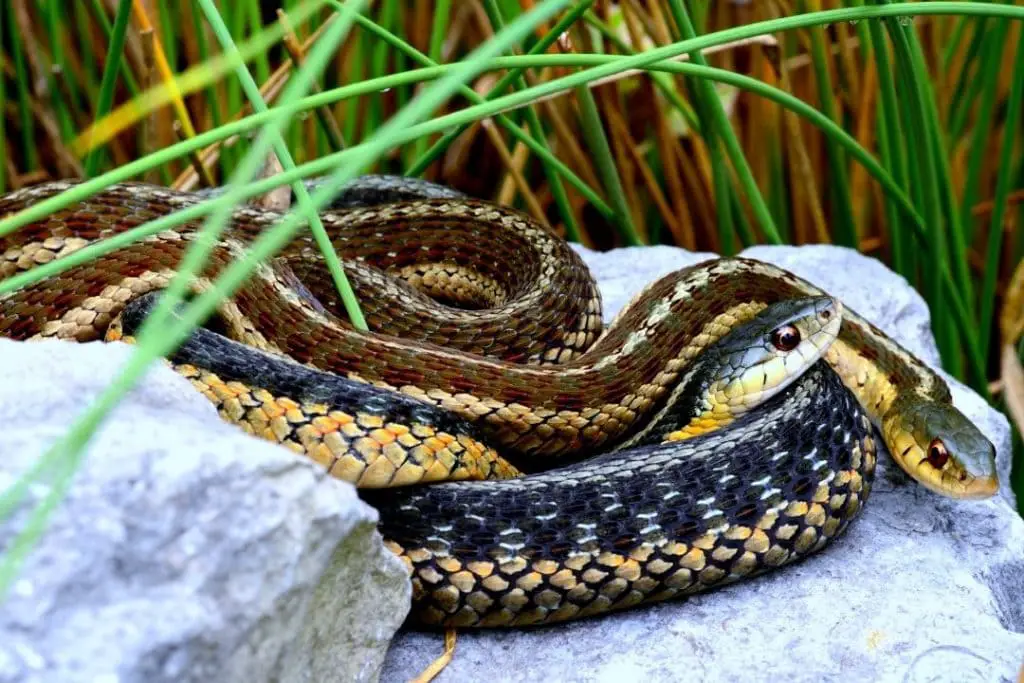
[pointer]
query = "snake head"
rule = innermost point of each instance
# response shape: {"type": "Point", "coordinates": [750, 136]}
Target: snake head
{"type": "Point", "coordinates": [940, 448]}
{"type": "Point", "coordinates": [763, 356]}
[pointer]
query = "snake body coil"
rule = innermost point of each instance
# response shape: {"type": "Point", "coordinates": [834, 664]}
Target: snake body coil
{"type": "Point", "coordinates": [516, 370]}
{"type": "Point", "coordinates": [653, 523]}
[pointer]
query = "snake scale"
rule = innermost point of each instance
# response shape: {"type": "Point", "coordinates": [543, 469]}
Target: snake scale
{"type": "Point", "coordinates": [720, 449]}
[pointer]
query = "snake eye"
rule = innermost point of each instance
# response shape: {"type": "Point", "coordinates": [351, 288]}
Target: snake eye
{"type": "Point", "coordinates": [938, 456]}
{"type": "Point", "coordinates": [786, 338]}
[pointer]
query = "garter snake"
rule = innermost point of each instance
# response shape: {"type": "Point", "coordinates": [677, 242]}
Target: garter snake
{"type": "Point", "coordinates": [523, 368]}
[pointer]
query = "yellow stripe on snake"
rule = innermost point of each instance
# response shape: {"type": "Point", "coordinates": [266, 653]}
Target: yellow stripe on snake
{"type": "Point", "coordinates": [720, 427]}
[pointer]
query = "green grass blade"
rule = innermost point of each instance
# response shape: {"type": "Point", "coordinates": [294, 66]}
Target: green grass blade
{"type": "Point", "coordinates": [331, 37]}
{"type": "Point", "coordinates": [607, 169]}
{"type": "Point", "coordinates": [379, 61]}
{"type": "Point", "coordinates": [90, 73]}
{"type": "Point", "coordinates": [946, 192]}
{"type": "Point", "coordinates": [1004, 178]}
{"type": "Point", "coordinates": [170, 44]}
{"type": "Point", "coordinates": [100, 14]}
{"type": "Point", "coordinates": [984, 123]}
{"type": "Point", "coordinates": [535, 140]}
{"type": "Point", "coordinates": [111, 66]}
{"type": "Point", "coordinates": [777, 190]}
{"type": "Point", "coordinates": [662, 81]}
{"type": "Point", "coordinates": [438, 30]}
{"type": "Point", "coordinates": [442, 11]}
{"type": "Point", "coordinates": [254, 21]}
{"type": "Point", "coordinates": [892, 150]}
{"type": "Point", "coordinates": [551, 171]}
{"type": "Point", "coordinates": [213, 101]}
{"type": "Point", "coordinates": [55, 74]}
{"type": "Point", "coordinates": [722, 189]}
{"type": "Point", "coordinates": [701, 94]}
{"type": "Point", "coordinates": [26, 119]}
{"type": "Point", "coordinates": [900, 241]}
{"type": "Point", "coordinates": [723, 128]}
{"type": "Point", "coordinates": [954, 41]}
{"type": "Point", "coordinates": [967, 83]}
{"type": "Point", "coordinates": [431, 155]}
{"type": "Point", "coordinates": [839, 186]}
{"type": "Point", "coordinates": [923, 152]}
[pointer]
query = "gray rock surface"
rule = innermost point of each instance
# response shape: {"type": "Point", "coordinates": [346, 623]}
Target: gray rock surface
{"type": "Point", "coordinates": [186, 551]}
{"type": "Point", "coordinates": [920, 588]}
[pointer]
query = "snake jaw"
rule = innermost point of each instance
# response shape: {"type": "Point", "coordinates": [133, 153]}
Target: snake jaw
{"type": "Point", "coordinates": [915, 426]}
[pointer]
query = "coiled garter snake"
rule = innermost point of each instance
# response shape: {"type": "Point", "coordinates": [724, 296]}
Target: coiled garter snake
{"type": "Point", "coordinates": [514, 360]}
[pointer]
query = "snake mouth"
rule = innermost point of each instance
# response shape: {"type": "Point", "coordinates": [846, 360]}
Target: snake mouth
{"type": "Point", "coordinates": [954, 480]}
{"type": "Point", "coordinates": [979, 488]}
{"type": "Point", "coordinates": [969, 488]}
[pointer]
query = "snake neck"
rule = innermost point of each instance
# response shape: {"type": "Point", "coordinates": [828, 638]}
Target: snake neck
{"type": "Point", "coordinates": [884, 377]}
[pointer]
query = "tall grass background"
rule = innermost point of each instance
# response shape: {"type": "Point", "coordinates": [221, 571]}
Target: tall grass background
{"type": "Point", "coordinates": [891, 128]}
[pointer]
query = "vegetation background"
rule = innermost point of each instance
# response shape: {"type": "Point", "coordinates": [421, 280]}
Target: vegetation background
{"type": "Point", "coordinates": [891, 128]}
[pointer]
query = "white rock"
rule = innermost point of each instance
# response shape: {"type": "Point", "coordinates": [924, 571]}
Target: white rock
{"type": "Point", "coordinates": [920, 588]}
{"type": "Point", "coordinates": [186, 550]}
